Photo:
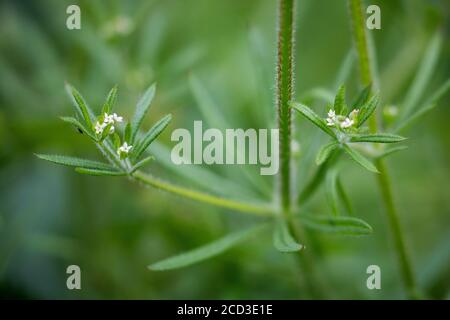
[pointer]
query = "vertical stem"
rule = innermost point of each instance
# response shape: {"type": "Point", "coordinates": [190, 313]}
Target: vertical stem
{"type": "Point", "coordinates": [384, 183]}
{"type": "Point", "coordinates": [284, 93]}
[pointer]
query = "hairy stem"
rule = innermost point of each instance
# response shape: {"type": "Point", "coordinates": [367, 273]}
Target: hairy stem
{"type": "Point", "coordinates": [245, 207]}
{"type": "Point", "coordinates": [384, 183]}
{"type": "Point", "coordinates": [284, 93]}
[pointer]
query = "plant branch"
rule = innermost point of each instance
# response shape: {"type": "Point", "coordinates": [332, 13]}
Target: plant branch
{"type": "Point", "coordinates": [284, 93]}
{"type": "Point", "coordinates": [245, 207]}
{"type": "Point", "coordinates": [384, 183]}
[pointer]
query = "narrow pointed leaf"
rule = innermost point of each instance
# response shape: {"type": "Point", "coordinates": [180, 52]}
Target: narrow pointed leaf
{"type": "Point", "coordinates": [362, 97]}
{"type": "Point", "coordinates": [80, 126]}
{"type": "Point", "coordinates": [377, 137]}
{"type": "Point", "coordinates": [80, 104]}
{"type": "Point", "coordinates": [313, 117]}
{"type": "Point", "coordinates": [116, 140]}
{"type": "Point", "coordinates": [359, 158]}
{"type": "Point", "coordinates": [207, 251]}
{"type": "Point", "coordinates": [283, 241]}
{"type": "Point", "coordinates": [142, 163]}
{"type": "Point", "coordinates": [332, 192]}
{"type": "Point", "coordinates": [338, 225]}
{"type": "Point", "coordinates": [110, 101]}
{"type": "Point", "coordinates": [325, 152]}
{"type": "Point", "coordinates": [339, 101]}
{"type": "Point", "coordinates": [98, 172]}
{"type": "Point", "coordinates": [151, 135]}
{"type": "Point", "coordinates": [367, 109]}
{"type": "Point", "coordinates": [343, 196]}
{"type": "Point", "coordinates": [127, 136]}
{"type": "Point", "coordinates": [75, 162]}
{"type": "Point", "coordinates": [141, 110]}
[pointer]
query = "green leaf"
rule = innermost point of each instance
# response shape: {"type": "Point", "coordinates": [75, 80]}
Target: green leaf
{"type": "Point", "coordinates": [141, 110]}
{"type": "Point", "coordinates": [97, 172]}
{"type": "Point", "coordinates": [332, 191]}
{"type": "Point", "coordinates": [75, 162]}
{"type": "Point", "coordinates": [367, 109]}
{"type": "Point", "coordinates": [325, 152]}
{"type": "Point", "coordinates": [359, 158]}
{"type": "Point", "coordinates": [106, 132]}
{"type": "Point", "coordinates": [339, 101]}
{"type": "Point", "coordinates": [207, 251]}
{"type": "Point", "coordinates": [362, 97]}
{"type": "Point", "coordinates": [338, 225]}
{"type": "Point", "coordinates": [343, 196]}
{"type": "Point", "coordinates": [313, 117]}
{"type": "Point", "coordinates": [127, 136]}
{"type": "Point", "coordinates": [80, 126]}
{"type": "Point", "coordinates": [283, 241]}
{"type": "Point", "coordinates": [151, 135]}
{"type": "Point", "coordinates": [377, 137]}
{"type": "Point", "coordinates": [116, 140]}
{"type": "Point", "coordinates": [142, 163]}
{"type": "Point", "coordinates": [423, 75]}
{"type": "Point", "coordinates": [390, 151]}
{"type": "Point", "coordinates": [80, 104]}
{"type": "Point", "coordinates": [110, 101]}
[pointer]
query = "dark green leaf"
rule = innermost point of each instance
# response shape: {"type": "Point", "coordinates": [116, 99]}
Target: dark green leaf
{"type": "Point", "coordinates": [325, 152]}
{"type": "Point", "coordinates": [151, 135]}
{"type": "Point", "coordinates": [340, 106]}
{"type": "Point", "coordinates": [359, 158]}
{"type": "Point", "coordinates": [338, 225]}
{"type": "Point", "coordinates": [313, 117]}
{"type": "Point", "coordinates": [377, 137]}
{"type": "Point", "coordinates": [362, 98]}
{"type": "Point", "coordinates": [116, 140]}
{"type": "Point", "coordinates": [207, 251]}
{"type": "Point", "coordinates": [75, 162]}
{"type": "Point", "coordinates": [282, 238]}
{"type": "Point", "coordinates": [80, 104]}
{"type": "Point", "coordinates": [110, 101]}
{"type": "Point", "coordinates": [332, 192]}
{"type": "Point", "coordinates": [343, 196]}
{"type": "Point", "coordinates": [141, 110]}
{"type": "Point", "coordinates": [367, 109]}
{"type": "Point", "coordinates": [127, 136]}
{"type": "Point", "coordinates": [80, 126]}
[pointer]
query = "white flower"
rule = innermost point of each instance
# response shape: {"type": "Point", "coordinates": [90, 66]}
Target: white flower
{"type": "Point", "coordinates": [111, 130]}
{"type": "Point", "coordinates": [99, 127]}
{"type": "Point", "coordinates": [117, 118]}
{"type": "Point", "coordinates": [331, 120]}
{"type": "Point", "coordinates": [125, 148]}
{"type": "Point", "coordinates": [347, 123]}
{"type": "Point", "coordinates": [108, 118]}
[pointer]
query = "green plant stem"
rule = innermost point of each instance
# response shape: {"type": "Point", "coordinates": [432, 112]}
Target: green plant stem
{"type": "Point", "coordinates": [384, 183]}
{"type": "Point", "coordinates": [284, 93]}
{"type": "Point", "coordinates": [257, 209]}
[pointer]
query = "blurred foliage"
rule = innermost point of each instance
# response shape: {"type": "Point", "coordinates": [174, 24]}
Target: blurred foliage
{"type": "Point", "coordinates": [51, 217]}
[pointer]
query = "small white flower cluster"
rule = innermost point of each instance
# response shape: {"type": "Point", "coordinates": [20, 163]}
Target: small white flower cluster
{"type": "Point", "coordinates": [107, 119]}
{"type": "Point", "coordinates": [341, 121]}
{"type": "Point", "coordinates": [124, 148]}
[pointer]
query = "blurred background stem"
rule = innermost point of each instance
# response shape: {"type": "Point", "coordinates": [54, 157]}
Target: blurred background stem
{"type": "Point", "coordinates": [384, 183]}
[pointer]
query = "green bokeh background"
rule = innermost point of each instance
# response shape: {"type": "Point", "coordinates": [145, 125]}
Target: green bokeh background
{"type": "Point", "coordinates": [51, 217]}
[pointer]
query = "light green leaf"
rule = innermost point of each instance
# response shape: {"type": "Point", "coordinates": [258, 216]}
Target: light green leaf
{"type": "Point", "coordinates": [151, 135]}
{"type": "Point", "coordinates": [338, 225]}
{"type": "Point", "coordinates": [207, 251]}
{"type": "Point", "coordinates": [141, 110]}
{"type": "Point", "coordinates": [367, 109]}
{"type": "Point", "coordinates": [80, 126]}
{"type": "Point", "coordinates": [116, 140]}
{"type": "Point", "coordinates": [80, 104]}
{"type": "Point", "coordinates": [127, 135]}
{"type": "Point", "coordinates": [423, 75]}
{"type": "Point", "coordinates": [283, 241]}
{"type": "Point", "coordinates": [390, 151]}
{"type": "Point", "coordinates": [106, 132]}
{"type": "Point", "coordinates": [339, 101]}
{"type": "Point", "coordinates": [332, 191]}
{"type": "Point", "coordinates": [313, 117]}
{"type": "Point", "coordinates": [142, 163]}
{"type": "Point", "coordinates": [75, 162]}
{"type": "Point", "coordinates": [377, 137]}
{"type": "Point", "coordinates": [97, 172]}
{"type": "Point", "coordinates": [359, 158]}
{"type": "Point", "coordinates": [325, 152]}
{"type": "Point", "coordinates": [110, 101]}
